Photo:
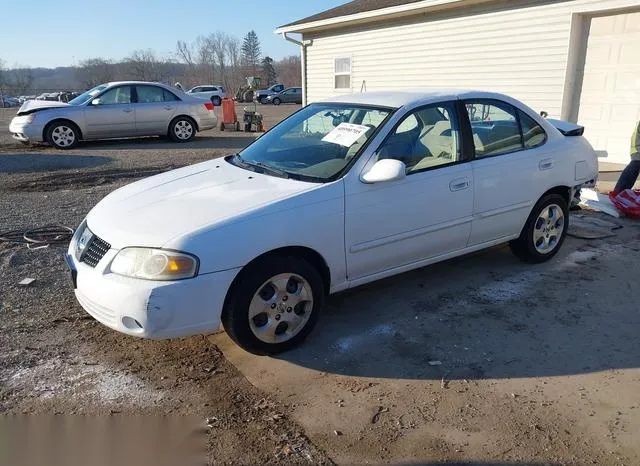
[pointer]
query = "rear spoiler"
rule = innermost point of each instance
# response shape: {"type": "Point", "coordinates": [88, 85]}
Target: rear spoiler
{"type": "Point", "coordinates": [567, 128]}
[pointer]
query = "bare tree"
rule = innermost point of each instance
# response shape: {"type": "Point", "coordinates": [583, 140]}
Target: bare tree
{"type": "Point", "coordinates": [289, 71]}
{"type": "Point", "coordinates": [3, 71]}
{"type": "Point", "coordinates": [234, 78]}
{"type": "Point", "coordinates": [21, 79]}
{"type": "Point", "coordinates": [145, 66]}
{"type": "Point", "coordinates": [184, 52]}
{"type": "Point", "coordinates": [94, 71]}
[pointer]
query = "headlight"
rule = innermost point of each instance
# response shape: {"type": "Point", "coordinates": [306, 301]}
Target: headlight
{"type": "Point", "coordinates": [154, 264]}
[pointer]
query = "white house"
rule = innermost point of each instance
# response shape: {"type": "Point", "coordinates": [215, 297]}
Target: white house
{"type": "Point", "coordinates": [578, 60]}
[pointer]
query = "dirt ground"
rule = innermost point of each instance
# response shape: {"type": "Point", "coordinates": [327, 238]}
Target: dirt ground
{"type": "Point", "coordinates": [478, 360]}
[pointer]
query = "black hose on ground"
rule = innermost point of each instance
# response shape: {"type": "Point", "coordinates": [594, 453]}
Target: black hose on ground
{"type": "Point", "coordinates": [39, 237]}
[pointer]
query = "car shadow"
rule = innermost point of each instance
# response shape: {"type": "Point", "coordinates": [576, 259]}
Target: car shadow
{"type": "Point", "coordinates": [235, 141]}
{"type": "Point", "coordinates": [485, 315]}
{"type": "Point", "coordinates": [33, 162]}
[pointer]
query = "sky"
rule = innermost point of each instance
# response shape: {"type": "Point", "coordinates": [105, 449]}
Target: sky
{"type": "Point", "coordinates": [62, 33]}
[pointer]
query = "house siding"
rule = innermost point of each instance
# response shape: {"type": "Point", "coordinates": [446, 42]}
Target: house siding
{"type": "Point", "coordinates": [520, 48]}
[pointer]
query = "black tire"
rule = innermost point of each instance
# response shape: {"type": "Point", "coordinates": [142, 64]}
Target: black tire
{"type": "Point", "coordinates": [221, 126]}
{"type": "Point", "coordinates": [216, 100]}
{"type": "Point", "coordinates": [179, 129]}
{"type": "Point", "coordinates": [235, 316]}
{"type": "Point", "coordinates": [277, 101]}
{"type": "Point", "coordinates": [525, 246]}
{"type": "Point", "coordinates": [63, 135]}
{"type": "Point", "coordinates": [263, 100]}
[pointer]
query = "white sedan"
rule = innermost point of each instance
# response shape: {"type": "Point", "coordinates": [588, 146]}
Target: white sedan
{"type": "Point", "coordinates": [341, 193]}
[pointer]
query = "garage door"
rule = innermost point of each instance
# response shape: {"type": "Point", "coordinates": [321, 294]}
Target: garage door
{"type": "Point", "coordinates": [610, 98]}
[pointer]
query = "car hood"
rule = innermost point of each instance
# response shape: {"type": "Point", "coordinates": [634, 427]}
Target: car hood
{"type": "Point", "coordinates": [31, 106]}
{"type": "Point", "coordinates": [153, 211]}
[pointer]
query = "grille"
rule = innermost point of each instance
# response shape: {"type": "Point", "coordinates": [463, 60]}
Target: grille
{"type": "Point", "coordinates": [96, 250]}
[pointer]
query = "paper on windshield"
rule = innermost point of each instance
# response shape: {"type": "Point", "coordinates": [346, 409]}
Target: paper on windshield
{"type": "Point", "coordinates": [345, 134]}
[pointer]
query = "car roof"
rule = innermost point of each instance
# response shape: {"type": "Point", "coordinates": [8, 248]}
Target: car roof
{"type": "Point", "coordinates": [397, 99]}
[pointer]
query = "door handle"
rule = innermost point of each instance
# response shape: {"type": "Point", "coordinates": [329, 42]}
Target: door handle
{"type": "Point", "coordinates": [459, 184]}
{"type": "Point", "coordinates": [127, 110]}
{"type": "Point", "coordinates": [545, 164]}
{"type": "Point", "coordinates": [167, 107]}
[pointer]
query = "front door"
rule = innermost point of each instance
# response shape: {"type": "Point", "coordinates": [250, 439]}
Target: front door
{"type": "Point", "coordinates": [113, 117]}
{"type": "Point", "coordinates": [425, 215]}
{"type": "Point", "coordinates": [155, 107]}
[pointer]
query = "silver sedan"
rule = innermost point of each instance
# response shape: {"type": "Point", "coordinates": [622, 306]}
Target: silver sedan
{"type": "Point", "coordinates": [114, 110]}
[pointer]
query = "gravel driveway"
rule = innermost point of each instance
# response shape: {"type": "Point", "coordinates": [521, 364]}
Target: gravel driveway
{"type": "Point", "coordinates": [480, 360]}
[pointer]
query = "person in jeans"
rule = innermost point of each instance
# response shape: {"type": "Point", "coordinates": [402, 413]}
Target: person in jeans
{"type": "Point", "coordinates": [629, 175]}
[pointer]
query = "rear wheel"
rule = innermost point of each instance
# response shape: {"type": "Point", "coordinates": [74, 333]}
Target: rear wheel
{"type": "Point", "coordinates": [277, 101]}
{"type": "Point", "coordinates": [63, 135]}
{"type": "Point", "coordinates": [274, 305]}
{"type": "Point", "coordinates": [545, 230]}
{"type": "Point", "coordinates": [182, 129]}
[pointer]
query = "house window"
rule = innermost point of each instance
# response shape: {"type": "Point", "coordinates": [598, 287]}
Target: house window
{"type": "Point", "coordinates": [342, 73]}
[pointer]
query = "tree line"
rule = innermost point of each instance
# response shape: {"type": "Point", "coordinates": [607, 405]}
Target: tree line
{"type": "Point", "coordinates": [218, 58]}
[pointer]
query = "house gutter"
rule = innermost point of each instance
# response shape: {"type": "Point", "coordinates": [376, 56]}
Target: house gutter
{"type": "Point", "coordinates": [303, 61]}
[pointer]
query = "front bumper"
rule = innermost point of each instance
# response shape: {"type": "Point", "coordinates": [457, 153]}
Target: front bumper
{"type": "Point", "coordinates": [25, 132]}
{"type": "Point", "coordinates": [150, 309]}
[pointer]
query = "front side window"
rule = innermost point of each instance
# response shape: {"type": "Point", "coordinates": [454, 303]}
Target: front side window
{"type": "Point", "coordinates": [342, 73]}
{"type": "Point", "coordinates": [117, 95]}
{"type": "Point", "coordinates": [316, 143]}
{"type": "Point", "coordinates": [428, 137]}
{"type": "Point", "coordinates": [494, 126]}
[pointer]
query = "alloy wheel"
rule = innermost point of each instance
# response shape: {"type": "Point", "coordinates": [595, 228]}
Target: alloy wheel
{"type": "Point", "coordinates": [63, 136]}
{"type": "Point", "coordinates": [548, 229]}
{"type": "Point", "coordinates": [183, 130]}
{"type": "Point", "coordinates": [280, 308]}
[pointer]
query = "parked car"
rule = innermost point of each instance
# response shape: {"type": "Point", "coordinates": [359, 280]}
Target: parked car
{"type": "Point", "coordinates": [8, 102]}
{"type": "Point", "coordinates": [262, 94]}
{"type": "Point", "coordinates": [341, 193]}
{"type": "Point", "coordinates": [114, 110]}
{"type": "Point", "coordinates": [293, 95]}
{"type": "Point", "coordinates": [213, 93]}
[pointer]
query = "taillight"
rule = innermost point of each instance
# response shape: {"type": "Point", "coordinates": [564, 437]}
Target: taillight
{"type": "Point", "coordinates": [209, 106]}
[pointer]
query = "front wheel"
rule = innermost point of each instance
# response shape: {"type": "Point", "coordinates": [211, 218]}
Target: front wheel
{"type": "Point", "coordinates": [545, 230]}
{"type": "Point", "coordinates": [277, 101]}
{"type": "Point", "coordinates": [182, 129]}
{"type": "Point", "coordinates": [274, 305]}
{"type": "Point", "coordinates": [63, 135]}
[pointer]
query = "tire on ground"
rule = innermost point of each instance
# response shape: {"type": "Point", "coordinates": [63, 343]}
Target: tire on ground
{"type": "Point", "coordinates": [235, 315]}
{"type": "Point", "coordinates": [524, 247]}
{"type": "Point", "coordinates": [179, 129]}
{"type": "Point", "coordinates": [62, 134]}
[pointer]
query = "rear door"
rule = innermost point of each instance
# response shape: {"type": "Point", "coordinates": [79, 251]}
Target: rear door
{"type": "Point", "coordinates": [510, 165]}
{"type": "Point", "coordinates": [155, 108]}
{"type": "Point", "coordinates": [113, 117]}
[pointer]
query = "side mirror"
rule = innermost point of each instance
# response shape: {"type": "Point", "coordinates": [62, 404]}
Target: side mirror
{"type": "Point", "coordinates": [96, 102]}
{"type": "Point", "coordinates": [385, 170]}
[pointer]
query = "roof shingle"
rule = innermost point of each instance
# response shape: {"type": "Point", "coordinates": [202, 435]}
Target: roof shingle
{"type": "Point", "coordinates": [351, 8]}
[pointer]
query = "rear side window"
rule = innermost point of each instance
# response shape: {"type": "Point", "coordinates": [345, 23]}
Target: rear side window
{"type": "Point", "coordinates": [169, 96]}
{"type": "Point", "coordinates": [532, 133]}
{"type": "Point", "coordinates": [149, 94]}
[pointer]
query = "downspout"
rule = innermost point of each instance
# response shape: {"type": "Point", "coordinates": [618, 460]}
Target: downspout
{"type": "Point", "coordinates": [303, 59]}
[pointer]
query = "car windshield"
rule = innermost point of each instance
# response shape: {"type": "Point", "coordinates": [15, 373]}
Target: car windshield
{"type": "Point", "coordinates": [87, 96]}
{"type": "Point", "coordinates": [314, 144]}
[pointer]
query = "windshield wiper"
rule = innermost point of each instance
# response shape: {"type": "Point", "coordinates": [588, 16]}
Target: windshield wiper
{"type": "Point", "coordinates": [262, 166]}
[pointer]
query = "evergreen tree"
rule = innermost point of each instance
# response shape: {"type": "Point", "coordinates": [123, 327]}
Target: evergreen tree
{"type": "Point", "coordinates": [269, 71]}
{"type": "Point", "coordinates": [251, 51]}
